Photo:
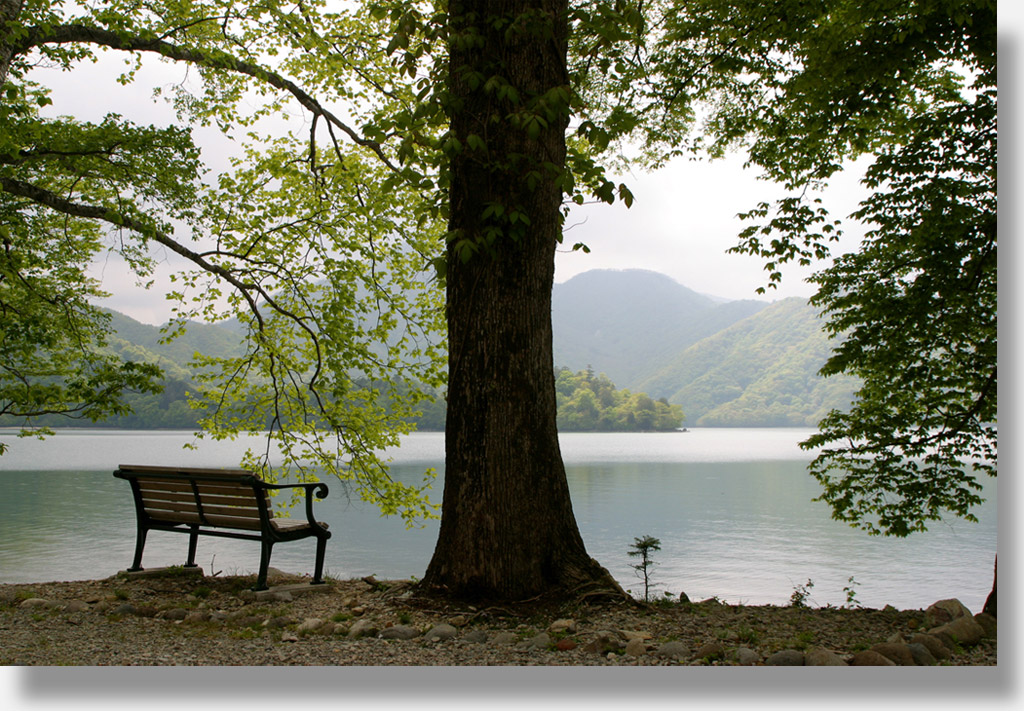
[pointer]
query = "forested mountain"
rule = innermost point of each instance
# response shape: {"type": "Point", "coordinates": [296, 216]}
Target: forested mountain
{"type": "Point", "coordinates": [629, 324]}
{"type": "Point", "coordinates": [143, 342]}
{"type": "Point", "coordinates": [761, 371]}
{"type": "Point", "coordinates": [140, 341]}
{"type": "Point", "coordinates": [738, 363]}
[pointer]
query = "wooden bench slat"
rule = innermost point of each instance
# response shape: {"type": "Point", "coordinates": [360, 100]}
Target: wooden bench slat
{"type": "Point", "coordinates": [248, 524]}
{"type": "Point", "coordinates": [164, 484]}
{"type": "Point", "coordinates": [183, 471]}
{"type": "Point", "coordinates": [245, 524]}
{"type": "Point", "coordinates": [249, 501]}
{"type": "Point", "coordinates": [219, 488]}
{"type": "Point", "coordinates": [253, 513]}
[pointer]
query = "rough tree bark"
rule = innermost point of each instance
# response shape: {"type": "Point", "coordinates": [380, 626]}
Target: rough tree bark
{"type": "Point", "coordinates": [9, 12]}
{"type": "Point", "coordinates": [990, 602]}
{"type": "Point", "coordinates": [507, 527]}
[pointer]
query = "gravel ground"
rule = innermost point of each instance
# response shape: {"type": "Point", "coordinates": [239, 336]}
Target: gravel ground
{"type": "Point", "coordinates": [192, 620]}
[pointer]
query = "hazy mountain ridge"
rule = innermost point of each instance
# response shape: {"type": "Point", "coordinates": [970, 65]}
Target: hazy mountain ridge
{"type": "Point", "coordinates": [631, 323]}
{"type": "Point", "coordinates": [736, 363]}
{"type": "Point", "coordinates": [761, 371]}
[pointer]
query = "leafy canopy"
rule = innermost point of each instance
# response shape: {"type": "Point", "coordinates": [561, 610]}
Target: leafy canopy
{"type": "Point", "coordinates": [315, 239]}
{"type": "Point", "coordinates": [913, 86]}
{"type": "Point", "coordinates": [315, 236]}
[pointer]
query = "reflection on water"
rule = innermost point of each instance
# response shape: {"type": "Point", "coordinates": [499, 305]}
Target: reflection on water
{"type": "Point", "coordinates": [744, 530]}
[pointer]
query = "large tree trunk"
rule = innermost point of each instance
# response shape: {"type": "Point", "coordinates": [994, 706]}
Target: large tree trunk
{"type": "Point", "coordinates": [990, 603]}
{"type": "Point", "coordinates": [507, 526]}
{"type": "Point", "coordinates": [9, 12]}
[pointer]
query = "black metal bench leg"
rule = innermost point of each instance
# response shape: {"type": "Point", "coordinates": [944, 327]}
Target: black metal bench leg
{"type": "Point", "coordinates": [140, 543]}
{"type": "Point", "coordinates": [193, 540]}
{"type": "Point", "coordinates": [321, 549]}
{"type": "Point", "coordinates": [266, 547]}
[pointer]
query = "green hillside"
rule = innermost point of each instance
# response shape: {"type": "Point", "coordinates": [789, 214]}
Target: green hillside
{"type": "Point", "coordinates": [209, 339]}
{"type": "Point", "coordinates": [629, 324]}
{"type": "Point", "coordinates": [761, 371]}
{"type": "Point", "coordinates": [739, 363]}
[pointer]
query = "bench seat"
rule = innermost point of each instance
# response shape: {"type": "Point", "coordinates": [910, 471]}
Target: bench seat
{"type": "Point", "coordinates": [229, 503]}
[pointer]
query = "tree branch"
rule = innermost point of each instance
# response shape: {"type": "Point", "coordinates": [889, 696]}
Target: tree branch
{"type": "Point", "coordinates": [59, 204]}
{"type": "Point", "coordinates": [68, 34]}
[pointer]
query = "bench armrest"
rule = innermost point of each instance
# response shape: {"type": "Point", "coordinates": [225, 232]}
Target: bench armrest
{"type": "Point", "coordinates": [313, 489]}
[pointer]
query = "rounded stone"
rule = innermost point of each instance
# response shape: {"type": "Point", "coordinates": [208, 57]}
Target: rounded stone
{"type": "Point", "coordinates": [786, 658]}
{"type": "Point", "coordinates": [310, 624]}
{"type": "Point", "coordinates": [505, 638]}
{"type": "Point", "coordinates": [400, 632]}
{"type": "Point", "coordinates": [673, 650]}
{"type": "Point", "coordinates": [37, 603]}
{"type": "Point", "coordinates": [962, 630]}
{"type": "Point", "coordinates": [745, 657]}
{"type": "Point", "coordinates": [933, 644]}
{"type": "Point", "coordinates": [945, 611]}
{"type": "Point", "coordinates": [538, 641]}
{"type": "Point", "coordinates": [562, 626]}
{"type": "Point", "coordinates": [871, 658]}
{"type": "Point", "coordinates": [439, 633]}
{"type": "Point", "coordinates": [362, 628]}
{"type": "Point", "coordinates": [604, 642]}
{"type": "Point", "coordinates": [819, 657]}
{"type": "Point", "coordinates": [900, 654]}
{"type": "Point", "coordinates": [922, 657]}
{"type": "Point", "coordinates": [710, 652]}
{"type": "Point", "coordinates": [636, 647]}
{"type": "Point", "coordinates": [988, 623]}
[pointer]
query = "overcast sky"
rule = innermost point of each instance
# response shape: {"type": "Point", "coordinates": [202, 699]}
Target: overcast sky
{"type": "Point", "coordinates": [683, 220]}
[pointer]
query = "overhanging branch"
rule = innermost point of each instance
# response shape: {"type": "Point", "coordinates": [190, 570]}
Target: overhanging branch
{"type": "Point", "coordinates": [214, 59]}
{"type": "Point", "coordinates": [55, 202]}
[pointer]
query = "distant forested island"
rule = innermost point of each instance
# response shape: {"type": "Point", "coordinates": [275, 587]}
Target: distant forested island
{"type": "Point", "coordinates": [591, 403]}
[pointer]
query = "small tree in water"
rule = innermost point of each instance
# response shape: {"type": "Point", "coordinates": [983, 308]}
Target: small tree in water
{"type": "Point", "coordinates": [643, 548]}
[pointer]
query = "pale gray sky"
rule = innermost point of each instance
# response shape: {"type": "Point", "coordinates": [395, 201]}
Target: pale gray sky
{"type": "Point", "coordinates": [682, 222]}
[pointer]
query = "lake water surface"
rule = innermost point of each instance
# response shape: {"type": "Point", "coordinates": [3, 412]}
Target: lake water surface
{"type": "Point", "coordinates": [732, 507]}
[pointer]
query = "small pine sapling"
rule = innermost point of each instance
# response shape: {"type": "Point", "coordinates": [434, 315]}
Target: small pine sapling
{"type": "Point", "coordinates": [644, 548]}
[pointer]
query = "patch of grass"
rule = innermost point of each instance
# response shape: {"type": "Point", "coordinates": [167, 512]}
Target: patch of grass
{"type": "Point", "coordinates": [341, 617]}
{"type": "Point", "coordinates": [802, 640]}
{"type": "Point", "coordinates": [120, 594]}
{"type": "Point", "coordinates": [202, 592]}
{"type": "Point", "coordinates": [713, 657]}
{"type": "Point", "coordinates": [667, 600]}
{"type": "Point", "coordinates": [747, 634]}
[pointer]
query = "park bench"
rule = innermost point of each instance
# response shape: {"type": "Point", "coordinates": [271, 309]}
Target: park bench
{"type": "Point", "coordinates": [228, 503]}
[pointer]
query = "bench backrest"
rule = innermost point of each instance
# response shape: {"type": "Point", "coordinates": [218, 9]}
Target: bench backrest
{"type": "Point", "coordinates": [227, 498]}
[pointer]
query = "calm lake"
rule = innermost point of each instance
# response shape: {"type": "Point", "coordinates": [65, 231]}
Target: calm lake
{"type": "Point", "coordinates": [732, 507]}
